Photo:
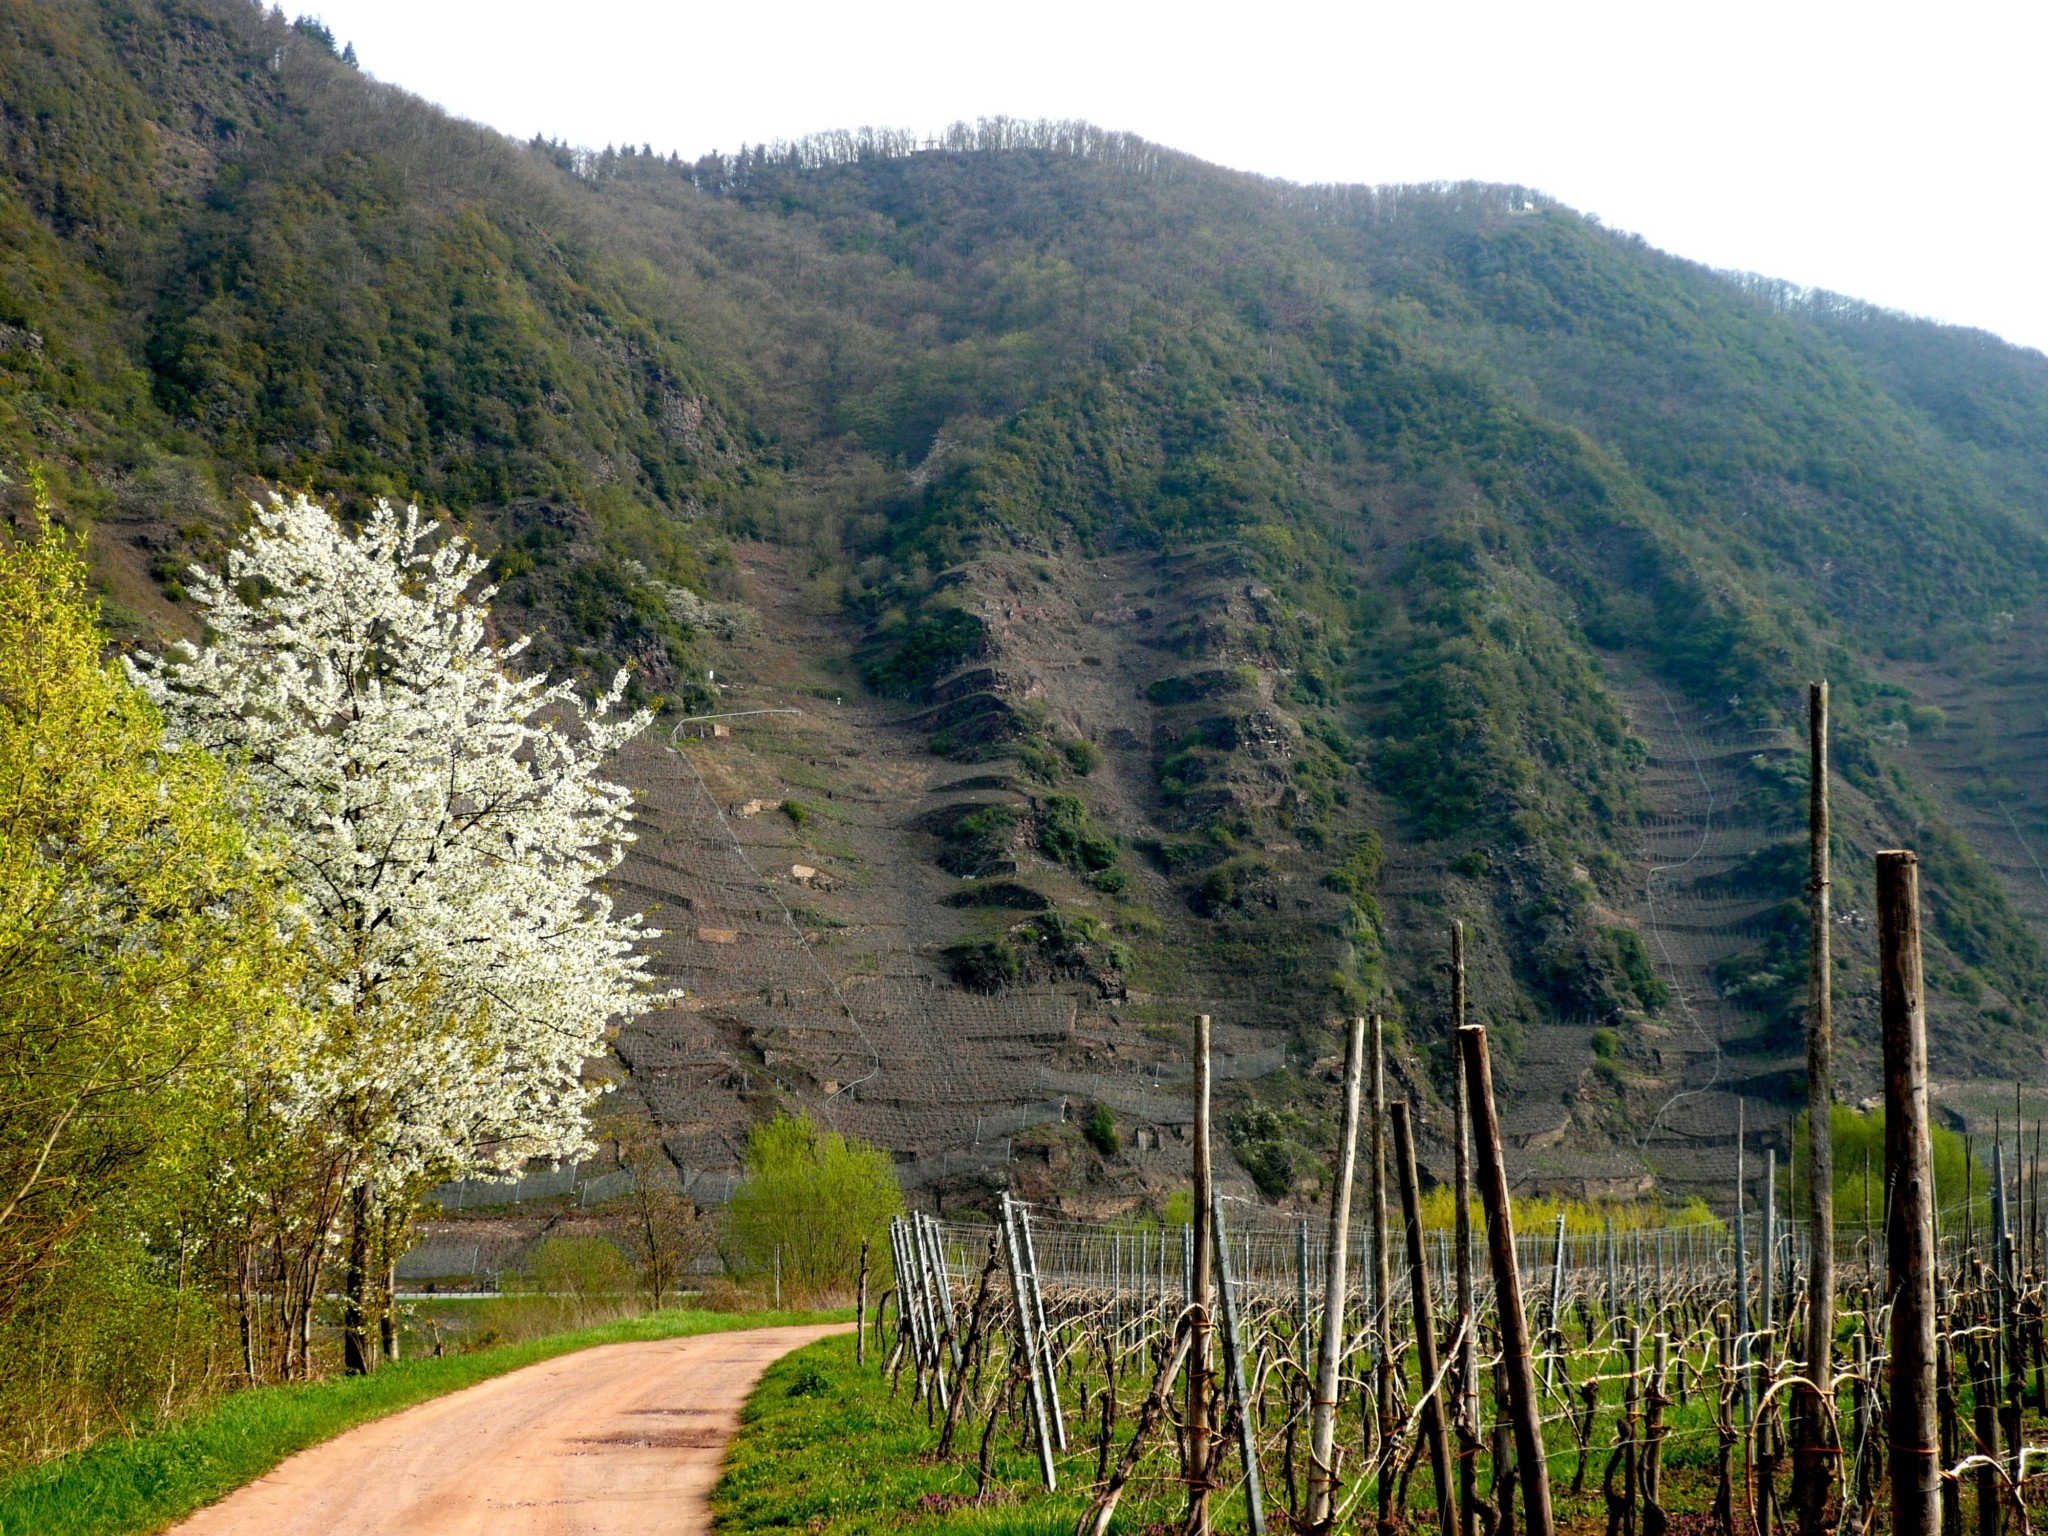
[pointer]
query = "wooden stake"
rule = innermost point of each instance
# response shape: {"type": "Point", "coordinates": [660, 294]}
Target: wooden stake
{"type": "Point", "coordinates": [1516, 1368]}
{"type": "Point", "coordinates": [1034, 1386]}
{"type": "Point", "coordinates": [1909, 1182]}
{"type": "Point", "coordinates": [1383, 1286]}
{"type": "Point", "coordinates": [1433, 1417]}
{"type": "Point", "coordinates": [860, 1310]}
{"type": "Point", "coordinates": [1336, 1276]}
{"type": "Point", "coordinates": [1467, 1377]}
{"type": "Point", "coordinates": [1811, 1464]}
{"type": "Point", "coordinates": [1554, 1345]}
{"type": "Point", "coordinates": [1196, 1467]}
{"type": "Point", "coordinates": [1054, 1413]}
{"type": "Point", "coordinates": [1233, 1359]}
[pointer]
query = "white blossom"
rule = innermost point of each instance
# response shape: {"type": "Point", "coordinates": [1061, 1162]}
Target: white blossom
{"type": "Point", "coordinates": [445, 824]}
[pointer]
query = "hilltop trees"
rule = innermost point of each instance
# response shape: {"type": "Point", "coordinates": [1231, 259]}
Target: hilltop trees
{"type": "Point", "coordinates": [443, 824]}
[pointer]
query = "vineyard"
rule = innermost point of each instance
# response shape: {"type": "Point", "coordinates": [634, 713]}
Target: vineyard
{"type": "Point", "coordinates": [1733, 1377]}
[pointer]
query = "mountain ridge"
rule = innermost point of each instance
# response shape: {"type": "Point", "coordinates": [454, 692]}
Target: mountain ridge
{"type": "Point", "coordinates": [1391, 508]}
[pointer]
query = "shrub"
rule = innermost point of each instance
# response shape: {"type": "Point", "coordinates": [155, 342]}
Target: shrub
{"type": "Point", "coordinates": [1065, 835]}
{"type": "Point", "coordinates": [1084, 757]}
{"type": "Point", "coordinates": [1632, 962]}
{"type": "Point", "coordinates": [984, 965]}
{"type": "Point", "coordinates": [811, 1197]}
{"type": "Point", "coordinates": [587, 1275]}
{"type": "Point", "coordinates": [1100, 1130]}
{"type": "Point", "coordinates": [934, 646]}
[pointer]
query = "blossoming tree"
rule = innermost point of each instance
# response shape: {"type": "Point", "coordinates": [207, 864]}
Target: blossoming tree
{"type": "Point", "coordinates": [445, 826]}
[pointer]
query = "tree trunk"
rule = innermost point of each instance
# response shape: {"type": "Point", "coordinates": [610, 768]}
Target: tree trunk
{"type": "Point", "coordinates": [356, 1300]}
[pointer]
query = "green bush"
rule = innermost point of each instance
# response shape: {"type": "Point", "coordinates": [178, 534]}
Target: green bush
{"type": "Point", "coordinates": [810, 1198]}
{"type": "Point", "coordinates": [984, 965]}
{"type": "Point", "coordinates": [1100, 1130]}
{"type": "Point", "coordinates": [934, 646]}
{"type": "Point", "coordinates": [1632, 964]}
{"type": "Point", "coordinates": [1066, 836]}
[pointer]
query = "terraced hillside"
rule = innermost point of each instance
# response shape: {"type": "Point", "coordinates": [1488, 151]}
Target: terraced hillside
{"type": "Point", "coordinates": [1199, 591]}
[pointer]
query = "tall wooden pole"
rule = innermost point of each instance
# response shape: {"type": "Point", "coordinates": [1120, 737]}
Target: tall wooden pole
{"type": "Point", "coordinates": [1811, 1464]}
{"type": "Point", "coordinates": [1524, 1409]}
{"type": "Point", "coordinates": [1200, 1449]}
{"type": "Point", "coordinates": [1382, 1282]}
{"type": "Point", "coordinates": [1336, 1277]}
{"type": "Point", "coordinates": [1909, 1183]}
{"type": "Point", "coordinates": [1425, 1320]}
{"type": "Point", "coordinates": [1467, 1375]}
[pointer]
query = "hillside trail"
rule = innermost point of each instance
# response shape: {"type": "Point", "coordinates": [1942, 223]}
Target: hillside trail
{"type": "Point", "coordinates": [620, 1440]}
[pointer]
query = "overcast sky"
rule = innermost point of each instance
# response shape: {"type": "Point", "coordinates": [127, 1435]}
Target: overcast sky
{"type": "Point", "coordinates": [1888, 152]}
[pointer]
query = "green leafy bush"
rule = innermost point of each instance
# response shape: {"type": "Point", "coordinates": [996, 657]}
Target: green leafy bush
{"type": "Point", "coordinates": [1066, 836]}
{"type": "Point", "coordinates": [984, 965]}
{"type": "Point", "coordinates": [809, 1200]}
{"type": "Point", "coordinates": [932, 647]}
{"type": "Point", "coordinates": [1100, 1130]}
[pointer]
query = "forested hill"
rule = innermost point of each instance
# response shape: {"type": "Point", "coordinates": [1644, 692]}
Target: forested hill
{"type": "Point", "coordinates": [1453, 537]}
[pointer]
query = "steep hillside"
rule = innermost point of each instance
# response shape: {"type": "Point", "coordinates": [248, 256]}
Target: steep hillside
{"type": "Point", "coordinates": [1198, 591]}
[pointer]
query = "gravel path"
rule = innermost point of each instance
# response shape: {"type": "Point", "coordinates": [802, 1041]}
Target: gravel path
{"type": "Point", "coordinates": [619, 1440]}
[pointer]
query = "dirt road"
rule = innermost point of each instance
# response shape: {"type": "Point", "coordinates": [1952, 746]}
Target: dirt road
{"type": "Point", "coordinates": [623, 1440]}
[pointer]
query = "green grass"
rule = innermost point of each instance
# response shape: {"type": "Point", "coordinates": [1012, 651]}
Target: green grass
{"type": "Point", "coordinates": [144, 1483]}
{"type": "Point", "coordinates": [823, 1447]}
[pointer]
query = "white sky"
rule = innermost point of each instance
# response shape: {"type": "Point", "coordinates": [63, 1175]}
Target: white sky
{"type": "Point", "coordinates": [1888, 152]}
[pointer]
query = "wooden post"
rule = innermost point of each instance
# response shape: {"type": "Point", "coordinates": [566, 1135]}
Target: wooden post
{"type": "Point", "coordinates": [1467, 1376]}
{"type": "Point", "coordinates": [1382, 1282]}
{"type": "Point", "coordinates": [1054, 1413]}
{"type": "Point", "coordinates": [1766, 1438]}
{"type": "Point", "coordinates": [1554, 1345]}
{"type": "Point", "coordinates": [1811, 1472]}
{"type": "Point", "coordinates": [1322, 1442]}
{"type": "Point", "coordinates": [1909, 1181]}
{"type": "Point", "coordinates": [1199, 1448]}
{"type": "Point", "coordinates": [1516, 1368]}
{"type": "Point", "coordinates": [1820, 1155]}
{"type": "Point", "coordinates": [910, 1301]}
{"type": "Point", "coordinates": [932, 1245]}
{"type": "Point", "coordinates": [1233, 1360]}
{"type": "Point", "coordinates": [1307, 1341]}
{"type": "Point", "coordinates": [1425, 1320]}
{"type": "Point", "coordinates": [860, 1310]}
{"type": "Point", "coordinates": [1034, 1387]}
{"type": "Point", "coordinates": [1742, 1338]}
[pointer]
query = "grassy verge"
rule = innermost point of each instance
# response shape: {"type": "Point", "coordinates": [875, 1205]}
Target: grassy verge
{"type": "Point", "coordinates": [142, 1484]}
{"type": "Point", "coordinates": [824, 1448]}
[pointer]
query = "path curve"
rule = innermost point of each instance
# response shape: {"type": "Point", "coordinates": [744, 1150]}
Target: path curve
{"type": "Point", "coordinates": [619, 1440]}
